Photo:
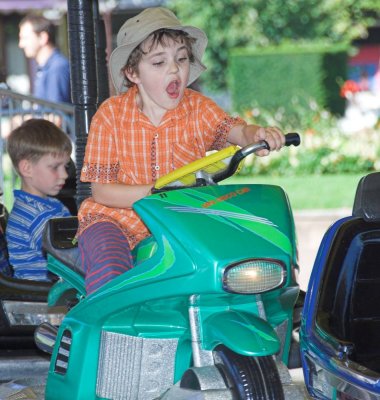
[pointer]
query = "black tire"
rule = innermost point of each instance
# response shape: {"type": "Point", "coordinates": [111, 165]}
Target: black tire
{"type": "Point", "coordinates": [249, 378]}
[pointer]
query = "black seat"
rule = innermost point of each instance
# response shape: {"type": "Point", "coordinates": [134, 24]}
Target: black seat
{"type": "Point", "coordinates": [59, 241]}
{"type": "Point", "coordinates": [348, 308]}
{"type": "Point", "coordinates": [5, 267]}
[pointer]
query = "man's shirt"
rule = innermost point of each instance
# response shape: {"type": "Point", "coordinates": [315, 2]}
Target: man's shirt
{"type": "Point", "coordinates": [52, 81]}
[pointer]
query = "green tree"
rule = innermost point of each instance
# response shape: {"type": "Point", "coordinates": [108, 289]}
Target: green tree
{"type": "Point", "coordinates": [241, 23]}
{"type": "Point", "coordinates": [228, 24]}
{"type": "Point", "coordinates": [331, 20]}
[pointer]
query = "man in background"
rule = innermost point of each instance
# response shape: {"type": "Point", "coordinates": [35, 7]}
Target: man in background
{"type": "Point", "coordinates": [37, 39]}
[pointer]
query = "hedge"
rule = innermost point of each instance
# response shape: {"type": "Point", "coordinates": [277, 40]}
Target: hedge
{"type": "Point", "coordinates": [271, 77]}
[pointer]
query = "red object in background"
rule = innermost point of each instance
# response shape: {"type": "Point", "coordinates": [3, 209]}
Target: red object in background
{"type": "Point", "coordinates": [367, 54]}
{"type": "Point", "coordinates": [364, 67]}
{"type": "Point", "coordinates": [349, 87]}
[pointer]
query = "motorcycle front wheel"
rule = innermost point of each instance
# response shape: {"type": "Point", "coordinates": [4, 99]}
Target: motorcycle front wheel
{"type": "Point", "coordinates": [249, 378]}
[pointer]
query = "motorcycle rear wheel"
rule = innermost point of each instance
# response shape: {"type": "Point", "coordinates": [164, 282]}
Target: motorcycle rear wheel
{"type": "Point", "coordinates": [249, 378]}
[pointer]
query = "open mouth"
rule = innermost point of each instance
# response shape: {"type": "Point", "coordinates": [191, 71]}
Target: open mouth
{"type": "Point", "coordinates": [173, 89]}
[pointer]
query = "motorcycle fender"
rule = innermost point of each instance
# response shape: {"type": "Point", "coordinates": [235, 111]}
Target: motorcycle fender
{"type": "Point", "coordinates": [243, 333]}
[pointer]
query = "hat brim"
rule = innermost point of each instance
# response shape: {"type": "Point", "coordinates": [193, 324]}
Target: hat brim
{"type": "Point", "coordinates": [121, 54]}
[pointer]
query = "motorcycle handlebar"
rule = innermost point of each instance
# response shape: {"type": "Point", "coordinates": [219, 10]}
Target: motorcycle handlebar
{"type": "Point", "coordinates": [292, 138]}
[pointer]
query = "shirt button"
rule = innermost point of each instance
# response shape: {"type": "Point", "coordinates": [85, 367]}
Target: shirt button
{"type": "Point", "coordinates": [156, 135]}
{"type": "Point", "coordinates": [157, 167]}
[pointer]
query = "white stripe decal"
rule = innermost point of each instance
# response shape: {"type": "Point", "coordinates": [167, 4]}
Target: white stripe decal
{"type": "Point", "coordinates": [221, 213]}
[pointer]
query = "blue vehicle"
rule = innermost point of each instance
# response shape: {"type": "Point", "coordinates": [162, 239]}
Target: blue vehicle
{"type": "Point", "coordinates": [340, 326]}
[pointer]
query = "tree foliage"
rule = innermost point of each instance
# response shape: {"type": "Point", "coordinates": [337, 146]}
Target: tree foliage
{"type": "Point", "coordinates": [241, 23]}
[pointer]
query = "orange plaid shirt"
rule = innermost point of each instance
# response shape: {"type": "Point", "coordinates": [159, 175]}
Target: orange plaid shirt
{"type": "Point", "coordinates": [124, 147]}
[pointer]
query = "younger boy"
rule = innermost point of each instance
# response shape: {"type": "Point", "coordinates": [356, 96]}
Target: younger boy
{"type": "Point", "coordinates": [40, 152]}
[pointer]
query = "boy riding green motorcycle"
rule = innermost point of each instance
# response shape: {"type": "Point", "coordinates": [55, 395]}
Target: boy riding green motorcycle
{"type": "Point", "coordinates": [190, 285]}
{"type": "Point", "coordinates": [155, 125]}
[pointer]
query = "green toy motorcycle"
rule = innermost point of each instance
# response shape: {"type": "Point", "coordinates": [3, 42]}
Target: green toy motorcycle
{"type": "Point", "coordinates": [206, 311]}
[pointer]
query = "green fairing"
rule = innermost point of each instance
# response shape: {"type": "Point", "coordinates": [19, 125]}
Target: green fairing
{"type": "Point", "coordinates": [237, 214]}
{"type": "Point", "coordinates": [256, 336]}
{"type": "Point", "coordinates": [70, 280]}
{"type": "Point", "coordinates": [144, 250]}
{"type": "Point", "coordinates": [263, 211]}
{"type": "Point", "coordinates": [57, 291]}
{"type": "Point", "coordinates": [164, 264]}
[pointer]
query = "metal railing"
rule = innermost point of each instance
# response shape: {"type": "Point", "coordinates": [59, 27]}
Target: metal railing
{"type": "Point", "coordinates": [15, 108]}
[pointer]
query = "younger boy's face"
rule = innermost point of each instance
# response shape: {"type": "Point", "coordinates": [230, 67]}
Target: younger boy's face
{"type": "Point", "coordinates": [45, 177]}
{"type": "Point", "coordinates": [162, 75]}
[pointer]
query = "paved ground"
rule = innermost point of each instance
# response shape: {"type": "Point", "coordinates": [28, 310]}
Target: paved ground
{"type": "Point", "coordinates": [23, 376]}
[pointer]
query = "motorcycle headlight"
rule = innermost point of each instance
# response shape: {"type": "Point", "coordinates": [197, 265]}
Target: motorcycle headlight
{"type": "Point", "coordinates": [254, 276]}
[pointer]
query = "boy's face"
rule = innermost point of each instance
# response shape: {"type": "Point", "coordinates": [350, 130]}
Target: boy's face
{"type": "Point", "coordinates": [162, 75]}
{"type": "Point", "coordinates": [45, 177]}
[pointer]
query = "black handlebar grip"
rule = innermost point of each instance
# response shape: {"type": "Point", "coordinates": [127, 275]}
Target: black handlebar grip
{"type": "Point", "coordinates": [292, 138]}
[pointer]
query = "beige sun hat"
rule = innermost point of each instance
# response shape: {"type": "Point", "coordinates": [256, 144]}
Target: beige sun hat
{"type": "Point", "coordinates": [135, 30]}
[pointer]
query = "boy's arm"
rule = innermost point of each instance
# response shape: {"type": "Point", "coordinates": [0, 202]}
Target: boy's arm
{"type": "Point", "coordinates": [119, 195]}
{"type": "Point", "coordinates": [243, 135]}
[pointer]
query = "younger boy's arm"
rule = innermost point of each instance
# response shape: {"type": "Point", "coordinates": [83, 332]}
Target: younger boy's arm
{"type": "Point", "coordinates": [243, 135]}
{"type": "Point", "coordinates": [118, 195]}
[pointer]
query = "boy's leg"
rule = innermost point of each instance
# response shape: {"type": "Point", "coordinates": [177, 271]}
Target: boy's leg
{"type": "Point", "coordinates": [105, 254]}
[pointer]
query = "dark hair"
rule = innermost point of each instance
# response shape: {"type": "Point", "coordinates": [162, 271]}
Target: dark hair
{"type": "Point", "coordinates": [161, 37]}
{"type": "Point", "coordinates": [41, 24]}
{"type": "Point", "coordinates": [35, 138]}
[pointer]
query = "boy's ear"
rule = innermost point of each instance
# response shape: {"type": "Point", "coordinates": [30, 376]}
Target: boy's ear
{"type": "Point", "coordinates": [132, 75]}
{"type": "Point", "coordinates": [24, 167]}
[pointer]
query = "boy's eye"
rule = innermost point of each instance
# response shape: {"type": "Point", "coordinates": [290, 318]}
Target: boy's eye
{"type": "Point", "coordinates": [158, 63]}
{"type": "Point", "coordinates": [183, 59]}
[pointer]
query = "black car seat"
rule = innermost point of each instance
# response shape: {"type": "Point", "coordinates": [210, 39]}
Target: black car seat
{"type": "Point", "coordinates": [348, 308]}
{"type": "Point", "coordinates": [4, 256]}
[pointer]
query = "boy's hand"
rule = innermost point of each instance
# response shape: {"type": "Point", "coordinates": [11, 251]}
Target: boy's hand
{"type": "Point", "coordinates": [272, 135]}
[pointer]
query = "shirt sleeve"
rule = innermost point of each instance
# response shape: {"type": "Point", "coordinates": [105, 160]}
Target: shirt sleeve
{"type": "Point", "coordinates": [216, 124]}
{"type": "Point", "coordinates": [100, 162]}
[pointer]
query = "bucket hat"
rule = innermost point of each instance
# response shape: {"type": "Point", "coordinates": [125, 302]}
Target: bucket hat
{"type": "Point", "coordinates": [135, 30]}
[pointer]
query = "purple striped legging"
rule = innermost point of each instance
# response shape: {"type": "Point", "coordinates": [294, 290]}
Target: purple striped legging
{"type": "Point", "coordinates": [105, 254]}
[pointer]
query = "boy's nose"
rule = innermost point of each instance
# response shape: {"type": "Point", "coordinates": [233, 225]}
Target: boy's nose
{"type": "Point", "coordinates": [64, 174]}
{"type": "Point", "coordinates": [173, 66]}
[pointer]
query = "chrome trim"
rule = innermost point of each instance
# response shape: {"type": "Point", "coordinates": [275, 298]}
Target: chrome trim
{"type": "Point", "coordinates": [336, 382]}
{"type": "Point", "coordinates": [45, 336]}
{"type": "Point", "coordinates": [201, 358]}
{"type": "Point", "coordinates": [357, 371]}
{"type": "Point", "coordinates": [134, 368]}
